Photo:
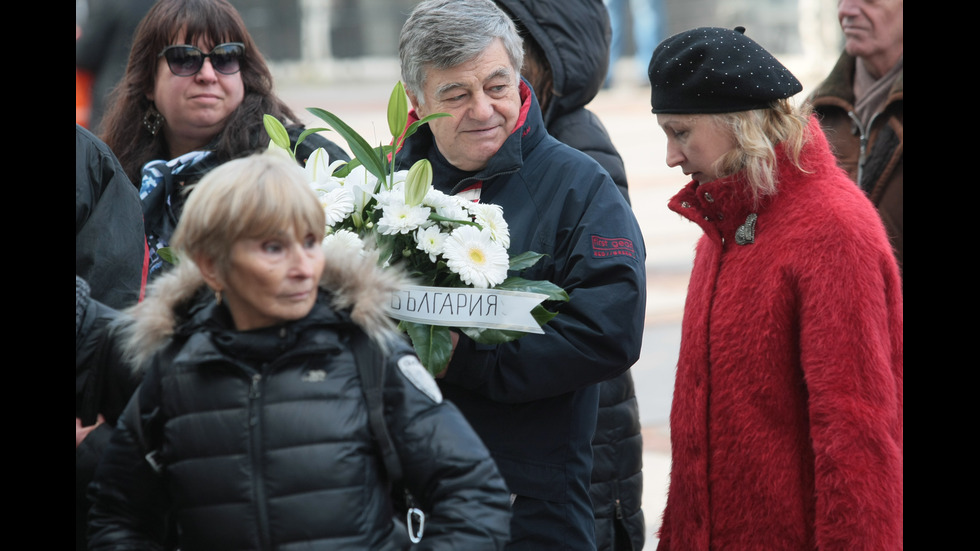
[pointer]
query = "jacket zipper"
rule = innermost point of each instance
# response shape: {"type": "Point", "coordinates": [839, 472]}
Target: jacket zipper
{"type": "Point", "coordinates": [863, 140]}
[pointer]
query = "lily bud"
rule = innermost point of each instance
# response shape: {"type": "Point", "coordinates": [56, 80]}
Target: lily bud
{"type": "Point", "coordinates": [418, 182]}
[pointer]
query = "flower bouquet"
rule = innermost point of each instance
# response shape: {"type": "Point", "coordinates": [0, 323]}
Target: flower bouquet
{"type": "Point", "coordinates": [456, 249]}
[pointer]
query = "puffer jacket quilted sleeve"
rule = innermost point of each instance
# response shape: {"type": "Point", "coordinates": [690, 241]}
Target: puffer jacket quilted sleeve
{"type": "Point", "coordinates": [444, 463]}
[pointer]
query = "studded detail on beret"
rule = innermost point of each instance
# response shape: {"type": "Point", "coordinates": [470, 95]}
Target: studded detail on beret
{"type": "Point", "coordinates": [716, 70]}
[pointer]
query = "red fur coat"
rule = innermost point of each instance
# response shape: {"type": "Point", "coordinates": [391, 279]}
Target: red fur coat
{"type": "Point", "coordinates": [786, 423]}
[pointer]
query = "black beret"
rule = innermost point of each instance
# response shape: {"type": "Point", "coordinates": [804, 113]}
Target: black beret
{"type": "Point", "coordinates": [716, 70]}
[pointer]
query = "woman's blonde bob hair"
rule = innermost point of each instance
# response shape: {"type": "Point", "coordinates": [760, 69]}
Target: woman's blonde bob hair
{"type": "Point", "coordinates": [756, 134]}
{"type": "Point", "coordinates": [261, 195]}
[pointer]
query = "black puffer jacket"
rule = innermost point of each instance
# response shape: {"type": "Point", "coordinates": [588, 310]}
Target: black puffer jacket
{"type": "Point", "coordinates": [575, 38]}
{"type": "Point", "coordinates": [266, 440]}
{"type": "Point", "coordinates": [103, 385]}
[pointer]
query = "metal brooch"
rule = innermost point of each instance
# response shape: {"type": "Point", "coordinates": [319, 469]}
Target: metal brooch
{"type": "Point", "coordinates": [745, 234]}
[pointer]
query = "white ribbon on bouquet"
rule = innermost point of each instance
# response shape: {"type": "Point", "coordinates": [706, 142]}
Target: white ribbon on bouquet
{"type": "Point", "coordinates": [467, 307]}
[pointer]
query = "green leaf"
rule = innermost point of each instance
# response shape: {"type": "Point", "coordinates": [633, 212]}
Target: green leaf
{"type": "Point", "coordinates": [415, 125]}
{"type": "Point", "coordinates": [433, 344]}
{"type": "Point", "coordinates": [542, 315]}
{"type": "Point", "coordinates": [344, 170]}
{"type": "Point", "coordinates": [440, 218]}
{"type": "Point", "coordinates": [397, 110]}
{"type": "Point", "coordinates": [525, 260]}
{"type": "Point", "coordinates": [544, 287]}
{"type": "Point", "coordinates": [491, 336]}
{"type": "Point", "coordinates": [306, 133]}
{"type": "Point", "coordinates": [359, 147]}
{"type": "Point", "coordinates": [167, 254]}
{"type": "Point", "coordinates": [277, 132]}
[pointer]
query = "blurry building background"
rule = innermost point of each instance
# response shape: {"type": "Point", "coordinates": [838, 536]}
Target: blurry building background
{"type": "Point", "coordinates": [323, 40]}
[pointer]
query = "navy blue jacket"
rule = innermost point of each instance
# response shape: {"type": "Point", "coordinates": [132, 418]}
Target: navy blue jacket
{"type": "Point", "coordinates": [534, 400]}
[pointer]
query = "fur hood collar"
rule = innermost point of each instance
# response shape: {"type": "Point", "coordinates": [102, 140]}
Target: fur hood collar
{"type": "Point", "coordinates": [355, 282]}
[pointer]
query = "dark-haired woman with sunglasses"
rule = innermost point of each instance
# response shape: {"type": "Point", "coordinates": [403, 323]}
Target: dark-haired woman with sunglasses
{"type": "Point", "coordinates": [193, 96]}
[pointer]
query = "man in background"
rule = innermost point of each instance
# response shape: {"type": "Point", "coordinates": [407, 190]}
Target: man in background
{"type": "Point", "coordinates": [861, 106]}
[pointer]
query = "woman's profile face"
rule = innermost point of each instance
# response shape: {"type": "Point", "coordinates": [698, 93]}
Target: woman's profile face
{"type": "Point", "coordinates": [197, 107]}
{"type": "Point", "coordinates": [273, 279]}
{"type": "Point", "coordinates": [695, 143]}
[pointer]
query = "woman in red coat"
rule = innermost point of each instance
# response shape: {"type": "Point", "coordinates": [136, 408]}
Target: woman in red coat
{"type": "Point", "coordinates": [786, 424]}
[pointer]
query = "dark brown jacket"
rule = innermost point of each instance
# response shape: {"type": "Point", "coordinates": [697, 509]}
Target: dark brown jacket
{"type": "Point", "coordinates": [874, 154]}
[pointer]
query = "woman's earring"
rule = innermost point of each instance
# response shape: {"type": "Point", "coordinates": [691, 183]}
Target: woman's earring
{"type": "Point", "coordinates": [152, 120]}
{"type": "Point", "coordinates": [217, 297]}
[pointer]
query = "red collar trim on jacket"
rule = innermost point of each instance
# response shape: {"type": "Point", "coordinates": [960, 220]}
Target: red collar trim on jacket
{"type": "Point", "coordinates": [525, 92]}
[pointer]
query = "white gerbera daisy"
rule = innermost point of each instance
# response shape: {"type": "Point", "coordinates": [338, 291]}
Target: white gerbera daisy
{"type": "Point", "coordinates": [400, 218]}
{"type": "Point", "coordinates": [337, 204]}
{"type": "Point", "coordinates": [346, 239]}
{"type": "Point", "coordinates": [479, 261]}
{"type": "Point", "coordinates": [491, 217]}
{"type": "Point", "coordinates": [430, 240]}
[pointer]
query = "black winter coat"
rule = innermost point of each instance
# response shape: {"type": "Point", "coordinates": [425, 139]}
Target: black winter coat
{"type": "Point", "coordinates": [575, 38]}
{"type": "Point", "coordinates": [266, 444]}
{"type": "Point", "coordinates": [103, 385]}
{"type": "Point", "coordinates": [110, 249]}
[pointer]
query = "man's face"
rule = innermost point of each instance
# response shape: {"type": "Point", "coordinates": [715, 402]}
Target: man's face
{"type": "Point", "coordinates": [872, 28]}
{"type": "Point", "coordinates": [483, 98]}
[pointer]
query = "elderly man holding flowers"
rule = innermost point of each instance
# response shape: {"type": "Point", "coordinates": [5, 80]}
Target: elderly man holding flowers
{"type": "Point", "coordinates": [532, 400]}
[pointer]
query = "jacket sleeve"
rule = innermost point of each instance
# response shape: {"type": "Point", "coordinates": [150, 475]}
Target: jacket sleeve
{"type": "Point", "coordinates": [853, 368]}
{"type": "Point", "coordinates": [445, 465]}
{"type": "Point", "coordinates": [598, 257]}
{"type": "Point", "coordinates": [103, 383]}
{"type": "Point", "coordinates": [110, 243]}
{"type": "Point", "coordinates": [130, 500]}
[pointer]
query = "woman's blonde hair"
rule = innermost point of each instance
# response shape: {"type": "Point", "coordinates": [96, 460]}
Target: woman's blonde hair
{"type": "Point", "coordinates": [757, 133]}
{"type": "Point", "coordinates": [261, 195]}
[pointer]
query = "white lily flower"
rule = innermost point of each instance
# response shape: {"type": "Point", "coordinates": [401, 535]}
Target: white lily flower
{"type": "Point", "coordinates": [318, 168]}
{"type": "Point", "coordinates": [361, 183]}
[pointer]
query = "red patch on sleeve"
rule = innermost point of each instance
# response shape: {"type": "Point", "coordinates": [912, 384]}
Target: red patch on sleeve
{"type": "Point", "coordinates": [603, 247]}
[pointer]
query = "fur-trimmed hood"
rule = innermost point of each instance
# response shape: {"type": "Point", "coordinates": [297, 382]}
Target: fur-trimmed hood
{"type": "Point", "coordinates": [355, 282]}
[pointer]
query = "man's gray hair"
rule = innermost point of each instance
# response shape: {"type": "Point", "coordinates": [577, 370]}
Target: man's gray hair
{"type": "Point", "coordinates": [442, 34]}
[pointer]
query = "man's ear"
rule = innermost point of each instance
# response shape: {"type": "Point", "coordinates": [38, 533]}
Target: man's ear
{"type": "Point", "coordinates": [415, 103]}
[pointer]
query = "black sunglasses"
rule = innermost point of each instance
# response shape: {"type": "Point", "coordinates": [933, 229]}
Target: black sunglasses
{"type": "Point", "coordinates": [185, 60]}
